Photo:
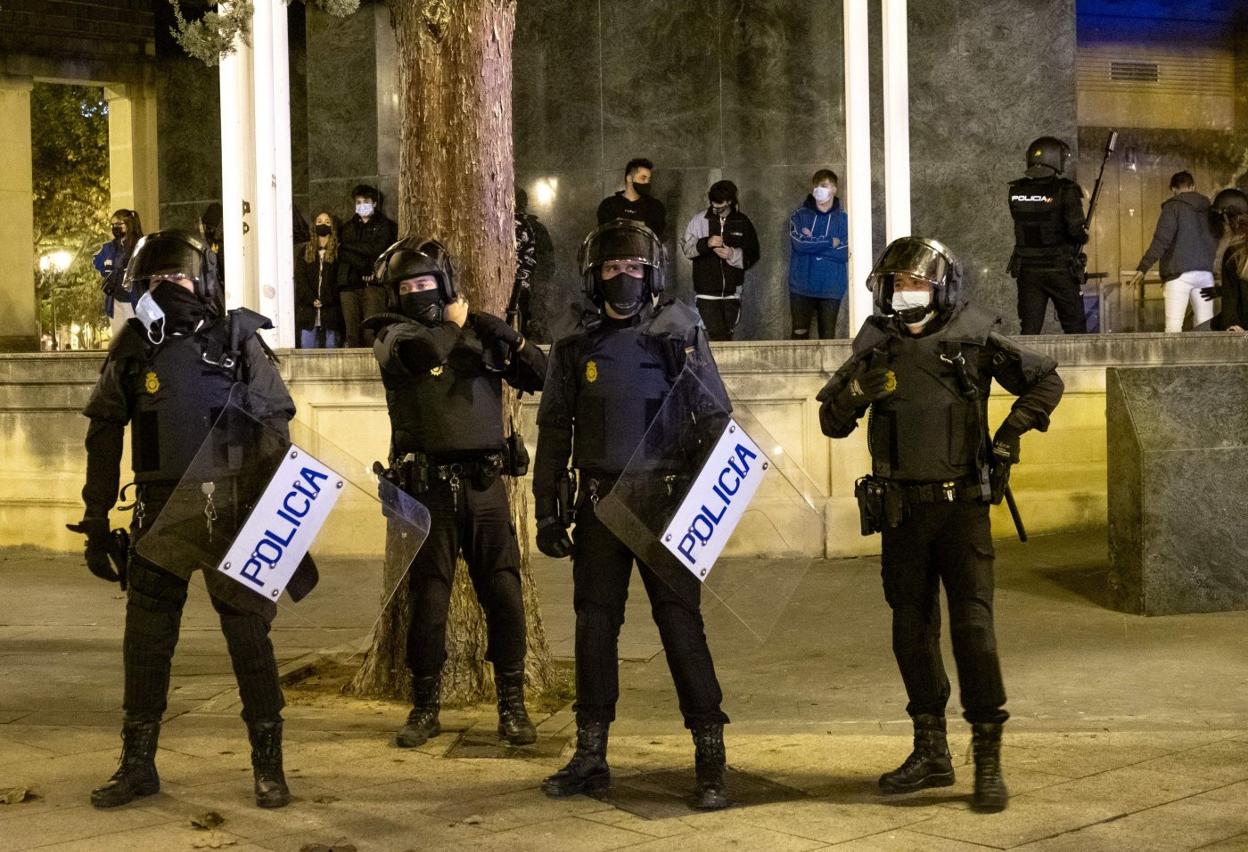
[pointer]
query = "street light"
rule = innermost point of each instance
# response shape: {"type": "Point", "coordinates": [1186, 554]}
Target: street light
{"type": "Point", "coordinates": [55, 262]}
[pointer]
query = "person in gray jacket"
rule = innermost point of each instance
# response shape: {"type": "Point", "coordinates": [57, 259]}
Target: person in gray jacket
{"type": "Point", "coordinates": [1185, 244]}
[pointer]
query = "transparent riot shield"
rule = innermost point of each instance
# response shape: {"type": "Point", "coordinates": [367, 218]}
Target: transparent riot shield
{"type": "Point", "coordinates": [717, 508]}
{"type": "Point", "coordinates": [277, 518]}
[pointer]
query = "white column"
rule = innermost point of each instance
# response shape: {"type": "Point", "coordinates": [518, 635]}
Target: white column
{"type": "Point", "coordinates": [238, 177]}
{"type": "Point", "coordinates": [896, 121]}
{"type": "Point", "coordinates": [858, 160]}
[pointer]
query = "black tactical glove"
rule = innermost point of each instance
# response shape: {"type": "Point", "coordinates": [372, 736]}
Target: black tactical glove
{"type": "Point", "coordinates": [865, 388]}
{"type": "Point", "coordinates": [490, 327]}
{"type": "Point", "coordinates": [97, 546]}
{"type": "Point", "coordinates": [1005, 447]}
{"type": "Point", "coordinates": [552, 538]}
{"type": "Point", "coordinates": [1210, 293]}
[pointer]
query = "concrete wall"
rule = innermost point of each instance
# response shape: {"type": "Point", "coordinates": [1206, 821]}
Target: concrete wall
{"type": "Point", "coordinates": [1060, 484]}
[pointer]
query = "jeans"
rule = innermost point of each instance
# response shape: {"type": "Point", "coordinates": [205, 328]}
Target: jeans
{"type": "Point", "coordinates": [1182, 291]}
{"type": "Point", "coordinates": [804, 309]}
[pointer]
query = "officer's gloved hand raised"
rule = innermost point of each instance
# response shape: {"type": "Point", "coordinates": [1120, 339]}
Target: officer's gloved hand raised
{"type": "Point", "coordinates": [865, 388]}
{"type": "Point", "coordinates": [488, 326]}
{"type": "Point", "coordinates": [96, 550]}
{"type": "Point", "coordinates": [552, 538]}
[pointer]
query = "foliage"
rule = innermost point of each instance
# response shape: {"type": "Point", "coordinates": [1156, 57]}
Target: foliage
{"type": "Point", "coordinates": [213, 35]}
{"type": "Point", "coordinates": [69, 149]}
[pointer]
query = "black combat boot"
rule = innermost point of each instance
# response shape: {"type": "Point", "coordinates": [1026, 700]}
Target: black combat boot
{"type": "Point", "coordinates": [929, 765]}
{"type": "Point", "coordinates": [266, 763]}
{"type": "Point", "coordinates": [513, 720]}
{"type": "Point", "coordinates": [709, 759]}
{"type": "Point", "coordinates": [990, 794]}
{"type": "Point", "coordinates": [587, 771]}
{"type": "Point", "coordinates": [136, 776]}
{"type": "Point", "coordinates": [422, 723]}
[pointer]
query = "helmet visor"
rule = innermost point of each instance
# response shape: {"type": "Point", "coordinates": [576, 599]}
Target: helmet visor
{"type": "Point", "coordinates": [163, 255]}
{"type": "Point", "coordinates": [918, 258]}
{"type": "Point", "coordinates": [621, 240]}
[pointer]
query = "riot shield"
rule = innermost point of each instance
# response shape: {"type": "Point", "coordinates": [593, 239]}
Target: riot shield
{"type": "Point", "coordinates": [276, 517]}
{"type": "Point", "coordinates": [716, 507]}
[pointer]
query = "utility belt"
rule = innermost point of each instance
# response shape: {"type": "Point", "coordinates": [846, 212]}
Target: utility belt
{"type": "Point", "coordinates": [418, 473]}
{"type": "Point", "coordinates": [884, 503]}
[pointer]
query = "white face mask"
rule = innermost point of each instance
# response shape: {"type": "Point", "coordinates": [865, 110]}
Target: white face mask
{"type": "Point", "coordinates": [822, 193]}
{"type": "Point", "coordinates": [904, 300]}
{"type": "Point", "coordinates": [152, 317]}
{"type": "Point", "coordinates": [364, 208]}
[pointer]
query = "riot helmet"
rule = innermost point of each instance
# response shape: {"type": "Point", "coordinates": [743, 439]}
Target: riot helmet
{"type": "Point", "coordinates": [1047, 153]}
{"type": "Point", "coordinates": [413, 257]}
{"type": "Point", "coordinates": [922, 258]}
{"type": "Point", "coordinates": [169, 253]}
{"type": "Point", "coordinates": [622, 240]}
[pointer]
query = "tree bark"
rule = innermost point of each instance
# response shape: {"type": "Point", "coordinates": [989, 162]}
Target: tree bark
{"type": "Point", "coordinates": [456, 182]}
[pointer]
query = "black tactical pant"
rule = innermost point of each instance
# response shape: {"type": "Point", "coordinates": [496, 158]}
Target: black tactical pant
{"type": "Point", "coordinates": [479, 524]}
{"type": "Point", "coordinates": [1037, 287]}
{"type": "Point", "coordinates": [601, 567]}
{"type": "Point", "coordinates": [806, 309]}
{"type": "Point", "coordinates": [949, 543]}
{"type": "Point", "coordinates": [154, 605]}
{"type": "Point", "coordinates": [719, 316]}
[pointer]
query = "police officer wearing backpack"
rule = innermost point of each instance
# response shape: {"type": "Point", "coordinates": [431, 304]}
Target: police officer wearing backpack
{"type": "Point", "coordinates": [443, 369]}
{"type": "Point", "coordinates": [603, 388]}
{"type": "Point", "coordinates": [924, 365]}
{"type": "Point", "coordinates": [168, 375]}
{"type": "Point", "coordinates": [1049, 232]}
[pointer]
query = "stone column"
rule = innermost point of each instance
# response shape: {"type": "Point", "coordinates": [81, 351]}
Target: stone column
{"type": "Point", "coordinates": [132, 151]}
{"type": "Point", "coordinates": [19, 329]}
{"type": "Point", "coordinates": [896, 121]}
{"type": "Point", "coordinates": [857, 191]}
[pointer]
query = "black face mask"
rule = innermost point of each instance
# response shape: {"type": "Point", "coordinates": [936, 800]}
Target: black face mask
{"type": "Point", "coordinates": [624, 294]}
{"type": "Point", "coordinates": [183, 309]}
{"type": "Point", "coordinates": [119, 231]}
{"type": "Point", "coordinates": [324, 230]}
{"type": "Point", "coordinates": [642, 189]}
{"type": "Point", "coordinates": [424, 307]}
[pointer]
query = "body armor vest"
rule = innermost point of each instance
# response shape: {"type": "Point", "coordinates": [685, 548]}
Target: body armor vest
{"type": "Point", "coordinates": [1039, 225]}
{"type": "Point", "coordinates": [928, 430]}
{"type": "Point", "coordinates": [454, 408]}
{"type": "Point", "coordinates": [621, 382]}
{"type": "Point", "coordinates": [177, 398]}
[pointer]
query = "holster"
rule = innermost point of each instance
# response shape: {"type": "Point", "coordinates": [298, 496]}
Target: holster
{"type": "Point", "coordinates": [565, 496]}
{"type": "Point", "coordinates": [881, 504]}
{"type": "Point", "coordinates": [516, 455]}
{"type": "Point", "coordinates": [413, 473]}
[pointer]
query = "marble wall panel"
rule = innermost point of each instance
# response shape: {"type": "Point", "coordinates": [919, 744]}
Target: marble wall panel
{"type": "Point", "coordinates": [342, 95]}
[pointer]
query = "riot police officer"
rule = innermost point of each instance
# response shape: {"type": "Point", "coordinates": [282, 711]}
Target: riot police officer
{"type": "Point", "coordinates": [1049, 232]}
{"type": "Point", "coordinates": [924, 365]}
{"type": "Point", "coordinates": [443, 368]}
{"type": "Point", "coordinates": [168, 374]}
{"type": "Point", "coordinates": [604, 386]}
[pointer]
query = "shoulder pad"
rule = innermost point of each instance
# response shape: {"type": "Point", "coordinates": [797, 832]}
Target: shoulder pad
{"type": "Point", "coordinates": [972, 324]}
{"type": "Point", "coordinates": [672, 319]}
{"type": "Point", "coordinates": [380, 321]}
{"type": "Point", "coordinates": [873, 332]}
{"type": "Point", "coordinates": [130, 342]}
{"type": "Point", "coordinates": [248, 321]}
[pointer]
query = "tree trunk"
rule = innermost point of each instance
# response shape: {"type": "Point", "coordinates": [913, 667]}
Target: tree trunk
{"type": "Point", "coordinates": [456, 184]}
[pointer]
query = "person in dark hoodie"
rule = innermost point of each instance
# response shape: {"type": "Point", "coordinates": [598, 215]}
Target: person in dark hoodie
{"type": "Point", "coordinates": [722, 244]}
{"type": "Point", "coordinates": [818, 267]}
{"type": "Point", "coordinates": [362, 240]}
{"type": "Point", "coordinates": [1185, 244]}
{"type": "Point", "coordinates": [634, 201]}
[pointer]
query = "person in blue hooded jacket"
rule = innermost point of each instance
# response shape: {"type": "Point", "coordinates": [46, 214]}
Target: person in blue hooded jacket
{"type": "Point", "coordinates": [818, 271]}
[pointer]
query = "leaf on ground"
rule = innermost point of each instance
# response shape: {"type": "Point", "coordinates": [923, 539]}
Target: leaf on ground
{"type": "Point", "coordinates": [14, 795]}
{"type": "Point", "coordinates": [207, 820]}
{"type": "Point", "coordinates": [214, 842]}
{"type": "Point", "coordinates": [325, 800]}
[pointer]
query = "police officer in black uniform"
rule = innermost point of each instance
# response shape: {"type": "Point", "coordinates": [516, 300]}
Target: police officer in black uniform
{"type": "Point", "coordinates": [1049, 232]}
{"type": "Point", "coordinates": [924, 365]}
{"type": "Point", "coordinates": [168, 374]}
{"type": "Point", "coordinates": [443, 368]}
{"type": "Point", "coordinates": [604, 387]}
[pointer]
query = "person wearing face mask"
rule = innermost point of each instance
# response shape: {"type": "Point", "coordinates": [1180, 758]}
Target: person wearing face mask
{"type": "Point", "coordinates": [924, 365]}
{"type": "Point", "coordinates": [722, 244]}
{"type": "Point", "coordinates": [318, 315]}
{"type": "Point", "coordinates": [362, 240]}
{"type": "Point", "coordinates": [818, 270]}
{"type": "Point", "coordinates": [604, 386]}
{"type": "Point", "coordinates": [636, 200]}
{"type": "Point", "coordinates": [110, 261]}
{"type": "Point", "coordinates": [443, 368]}
{"type": "Point", "coordinates": [168, 375]}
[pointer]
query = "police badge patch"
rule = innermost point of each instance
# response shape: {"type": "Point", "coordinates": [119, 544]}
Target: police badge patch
{"type": "Point", "coordinates": [151, 384]}
{"type": "Point", "coordinates": [591, 371]}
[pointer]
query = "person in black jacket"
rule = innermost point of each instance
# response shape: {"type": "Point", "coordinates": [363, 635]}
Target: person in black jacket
{"type": "Point", "coordinates": [1049, 232]}
{"type": "Point", "coordinates": [924, 366]}
{"type": "Point", "coordinates": [1229, 213]}
{"type": "Point", "coordinates": [443, 369]}
{"type": "Point", "coordinates": [361, 241]}
{"type": "Point", "coordinates": [722, 244]}
{"type": "Point", "coordinates": [167, 377]}
{"type": "Point", "coordinates": [635, 201]}
{"type": "Point", "coordinates": [318, 314]}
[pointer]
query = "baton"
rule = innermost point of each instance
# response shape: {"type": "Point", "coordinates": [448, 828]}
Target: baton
{"type": "Point", "coordinates": [1017, 518]}
{"type": "Point", "coordinates": [1110, 144]}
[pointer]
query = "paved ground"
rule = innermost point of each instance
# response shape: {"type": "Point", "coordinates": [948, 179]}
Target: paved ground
{"type": "Point", "coordinates": [1128, 733]}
